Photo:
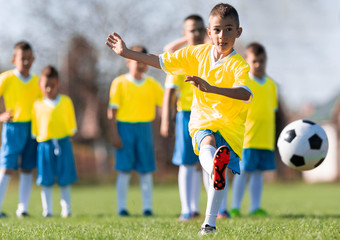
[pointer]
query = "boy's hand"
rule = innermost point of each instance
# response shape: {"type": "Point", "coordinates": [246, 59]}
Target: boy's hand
{"type": "Point", "coordinates": [200, 83]}
{"type": "Point", "coordinates": [117, 142]}
{"type": "Point", "coordinates": [6, 116]}
{"type": "Point", "coordinates": [115, 42]}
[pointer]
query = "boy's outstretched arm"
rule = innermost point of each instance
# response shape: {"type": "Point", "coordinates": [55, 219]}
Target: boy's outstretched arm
{"type": "Point", "coordinates": [116, 43]}
{"type": "Point", "coordinates": [234, 92]}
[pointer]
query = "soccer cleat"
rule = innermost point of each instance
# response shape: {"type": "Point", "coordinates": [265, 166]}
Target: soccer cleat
{"type": "Point", "coordinates": [223, 215]}
{"type": "Point", "coordinates": [22, 214]}
{"type": "Point", "coordinates": [47, 215]}
{"type": "Point", "coordinates": [207, 230]}
{"type": "Point", "coordinates": [195, 215]}
{"type": "Point", "coordinates": [221, 161]}
{"type": "Point", "coordinates": [259, 213]}
{"type": "Point", "coordinates": [123, 213]}
{"type": "Point", "coordinates": [65, 214]}
{"type": "Point", "coordinates": [185, 217]}
{"type": "Point", "coordinates": [235, 212]}
{"type": "Point", "coordinates": [3, 215]}
{"type": "Point", "coordinates": [147, 213]}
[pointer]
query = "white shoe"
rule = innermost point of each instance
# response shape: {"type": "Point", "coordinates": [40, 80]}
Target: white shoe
{"type": "Point", "coordinates": [207, 230]}
{"type": "Point", "coordinates": [65, 214]}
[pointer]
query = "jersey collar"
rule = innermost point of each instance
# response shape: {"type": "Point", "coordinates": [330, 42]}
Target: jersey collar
{"type": "Point", "coordinates": [135, 81]}
{"type": "Point", "coordinates": [22, 77]}
{"type": "Point", "coordinates": [215, 64]}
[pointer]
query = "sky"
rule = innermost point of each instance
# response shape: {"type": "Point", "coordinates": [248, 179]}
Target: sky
{"type": "Point", "coordinates": [301, 36]}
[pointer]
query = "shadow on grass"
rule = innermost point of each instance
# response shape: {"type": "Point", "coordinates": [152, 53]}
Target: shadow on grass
{"type": "Point", "coordinates": [319, 216]}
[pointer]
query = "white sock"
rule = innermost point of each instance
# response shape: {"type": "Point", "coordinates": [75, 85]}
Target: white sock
{"type": "Point", "coordinates": [185, 177]}
{"type": "Point", "coordinates": [255, 189]}
{"type": "Point", "coordinates": [46, 200]}
{"type": "Point", "coordinates": [206, 180]}
{"type": "Point", "coordinates": [122, 186]}
{"type": "Point", "coordinates": [206, 157]}
{"type": "Point", "coordinates": [239, 186]}
{"type": "Point", "coordinates": [65, 200]}
{"type": "Point", "coordinates": [224, 201]}
{"type": "Point", "coordinates": [146, 185]}
{"type": "Point", "coordinates": [25, 190]}
{"type": "Point", "coordinates": [213, 204]}
{"type": "Point", "coordinates": [4, 180]}
{"type": "Point", "coordinates": [196, 190]}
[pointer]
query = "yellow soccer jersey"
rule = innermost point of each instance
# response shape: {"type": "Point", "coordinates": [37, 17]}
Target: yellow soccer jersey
{"type": "Point", "coordinates": [135, 100]}
{"type": "Point", "coordinates": [53, 122]}
{"type": "Point", "coordinates": [19, 95]}
{"type": "Point", "coordinates": [260, 123]}
{"type": "Point", "coordinates": [212, 111]}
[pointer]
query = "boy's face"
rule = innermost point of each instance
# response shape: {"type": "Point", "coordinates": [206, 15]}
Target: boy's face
{"type": "Point", "coordinates": [136, 67]}
{"type": "Point", "coordinates": [194, 32]}
{"type": "Point", "coordinates": [223, 33]}
{"type": "Point", "coordinates": [49, 86]}
{"type": "Point", "coordinates": [23, 60]}
{"type": "Point", "coordinates": [257, 63]}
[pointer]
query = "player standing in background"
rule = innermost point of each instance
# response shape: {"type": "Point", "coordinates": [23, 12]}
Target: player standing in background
{"type": "Point", "coordinates": [19, 89]}
{"type": "Point", "coordinates": [219, 110]}
{"type": "Point", "coordinates": [53, 123]}
{"type": "Point", "coordinates": [132, 108]}
{"type": "Point", "coordinates": [259, 140]}
{"type": "Point", "coordinates": [189, 173]}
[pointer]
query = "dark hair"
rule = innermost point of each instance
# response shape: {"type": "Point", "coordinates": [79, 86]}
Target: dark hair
{"type": "Point", "coordinates": [256, 48]}
{"type": "Point", "coordinates": [139, 48]}
{"type": "Point", "coordinates": [22, 45]}
{"type": "Point", "coordinates": [224, 10]}
{"type": "Point", "coordinates": [194, 17]}
{"type": "Point", "coordinates": [50, 72]}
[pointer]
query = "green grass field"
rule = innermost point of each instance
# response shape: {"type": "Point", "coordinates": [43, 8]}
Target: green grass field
{"type": "Point", "coordinates": [297, 211]}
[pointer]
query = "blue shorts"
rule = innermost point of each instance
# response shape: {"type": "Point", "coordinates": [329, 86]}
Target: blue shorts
{"type": "Point", "coordinates": [137, 152]}
{"type": "Point", "coordinates": [234, 164]}
{"type": "Point", "coordinates": [56, 163]}
{"type": "Point", "coordinates": [257, 159]}
{"type": "Point", "coordinates": [16, 141]}
{"type": "Point", "coordinates": [183, 153]}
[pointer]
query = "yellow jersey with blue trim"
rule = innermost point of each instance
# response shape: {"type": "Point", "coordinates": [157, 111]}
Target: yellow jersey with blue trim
{"type": "Point", "coordinates": [185, 91]}
{"type": "Point", "coordinates": [19, 94]}
{"type": "Point", "coordinates": [260, 123]}
{"type": "Point", "coordinates": [212, 111]}
{"type": "Point", "coordinates": [135, 100]}
{"type": "Point", "coordinates": [53, 119]}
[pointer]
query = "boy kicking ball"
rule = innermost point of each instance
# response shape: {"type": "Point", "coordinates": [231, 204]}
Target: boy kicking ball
{"type": "Point", "coordinates": [219, 107]}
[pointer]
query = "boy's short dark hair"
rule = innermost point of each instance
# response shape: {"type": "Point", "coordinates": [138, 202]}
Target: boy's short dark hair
{"type": "Point", "coordinates": [256, 48]}
{"type": "Point", "coordinates": [22, 45]}
{"type": "Point", "coordinates": [224, 10]}
{"type": "Point", "coordinates": [50, 72]}
{"type": "Point", "coordinates": [139, 48]}
{"type": "Point", "coordinates": [194, 17]}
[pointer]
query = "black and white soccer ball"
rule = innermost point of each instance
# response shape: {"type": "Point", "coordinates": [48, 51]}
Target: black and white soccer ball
{"type": "Point", "coordinates": [303, 145]}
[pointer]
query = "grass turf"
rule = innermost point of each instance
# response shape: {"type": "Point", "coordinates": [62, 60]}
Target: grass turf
{"type": "Point", "coordinates": [297, 211]}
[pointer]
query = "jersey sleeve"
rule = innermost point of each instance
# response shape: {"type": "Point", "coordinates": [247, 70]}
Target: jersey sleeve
{"type": "Point", "coordinates": [181, 62]}
{"type": "Point", "coordinates": [72, 118]}
{"type": "Point", "coordinates": [242, 79]}
{"type": "Point", "coordinates": [115, 92]}
{"type": "Point", "coordinates": [275, 97]}
{"type": "Point", "coordinates": [34, 129]}
{"type": "Point", "coordinates": [159, 94]}
{"type": "Point", "coordinates": [2, 83]}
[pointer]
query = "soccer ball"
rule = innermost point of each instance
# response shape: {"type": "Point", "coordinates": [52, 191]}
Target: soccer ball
{"type": "Point", "coordinates": [303, 145]}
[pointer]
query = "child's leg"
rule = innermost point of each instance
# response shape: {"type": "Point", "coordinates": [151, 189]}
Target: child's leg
{"type": "Point", "coordinates": [25, 190]}
{"type": "Point", "coordinates": [46, 200]}
{"type": "Point", "coordinates": [196, 189]}
{"type": "Point", "coordinates": [4, 180]}
{"type": "Point", "coordinates": [185, 177]}
{"type": "Point", "coordinates": [122, 186]}
{"type": "Point", "coordinates": [146, 185]}
{"type": "Point", "coordinates": [255, 188]}
{"type": "Point", "coordinates": [65, 201]}
{"type": "Point", "coordinates": [239, 186]}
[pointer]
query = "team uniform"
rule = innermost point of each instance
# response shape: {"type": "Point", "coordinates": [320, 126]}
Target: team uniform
{"type": "Point", "coordinates": [19, 93]}
{"type": "Point", "coordinates": [135, 101]}
{"type": "Point", "coordinates": [223, 116]}
{"type": "Point", "coordinates": [258, 147]}
{"type": "Point", "coordinates": [53, 123]}
{"type": "Point", "coordinates": [212, 113]}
